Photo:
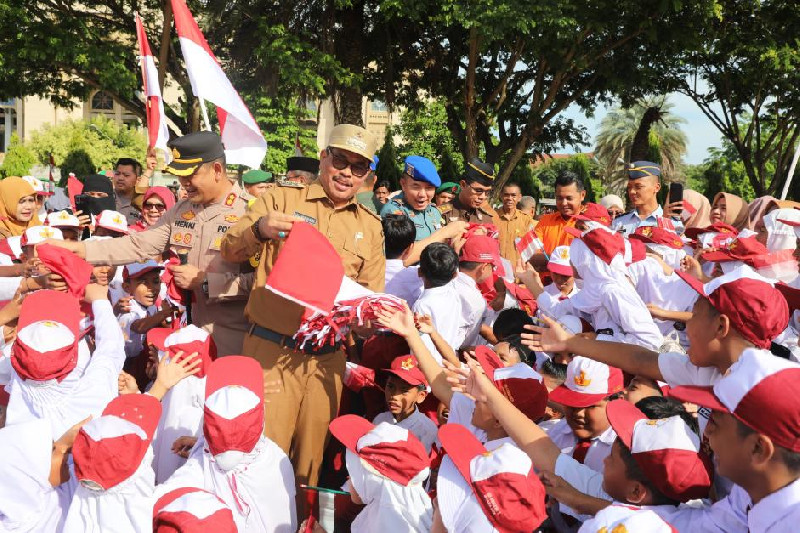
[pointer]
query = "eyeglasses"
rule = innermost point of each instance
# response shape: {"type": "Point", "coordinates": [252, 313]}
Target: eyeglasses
{"type": "Point", "coordinates": [340, 162]}
{"type": "Point", "coordinates": [479, 192]}
{"type": "Point", "coordinates": [157, 207]}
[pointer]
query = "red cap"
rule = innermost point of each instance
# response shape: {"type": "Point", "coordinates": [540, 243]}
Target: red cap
{"type": "Point", "coordinates": [588, 382]}
{"type": "Point", "coordinates": [191, 510]}
{"type": "Point", "coordinates": [667, 450]}
{"type": "Point", "coordinates": [757, 391]}
{"type": "Point", "coordinates": [481, 249]}
{"type": "Point", "coordinates": [189, 340]}
{"type": "Point", "coordinates": [717, 227]}
{"type": "Point", "coordinates": [233, 415]}
{"type": "Point", "coordinates": [76, 272]}
{"type": "Point", "coordinates": [740, 249]}
{"type": "Point", "coordinates": [47, 336]}
{"type": "Point", "coordinates": [109, 449]}
{"type": "Point", "coordinates": [756, 309]}
{"type": "Point", "coordinates": [406, 367]}
{"type": "Point", "coordinates": [656, 235]}
{"type": "Point", "coordinates": [594, 213]}
{"type": "Point", "coordinates": [391, 450]}
{"type": "Point", "coordinates": [157, 336]}
{"type": "Point", "coordinates": [508, 491]}
{"type": "Point", "coordinates": [523, 296]}
{"type": "Point", "coordinates": [521, 384]}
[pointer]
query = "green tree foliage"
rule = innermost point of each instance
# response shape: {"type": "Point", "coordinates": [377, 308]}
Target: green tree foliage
{"type": "Point", "coordinates": [18, 159]}
{"type": "Point", "coordinates": [449, 170]}
{"type": "Point", "coordinates": [587, 169]}
{"type": "Point", "coordinates": [280, 122]}
{"type": "Point", "coordinates": [389, 162]}
{"type": "Point", "coordinates": [722, 171]}
{"type": "Point", "coordinates": [424, 132]}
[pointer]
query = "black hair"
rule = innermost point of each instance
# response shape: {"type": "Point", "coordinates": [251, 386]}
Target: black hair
{"type": "Point", "coordinates": [789, 458]}
{"type": "Point", "coordinates": [382, 183]}
{"type": "Point", "coordinates": [515, 341]}
{"type": "Point", "coordinates": [510, 322]}
{"type": "Point", "coordinates": [633, 471]}
{"type": "Point", "coordinates": [129, 161]}
{"type": "Point", "coordinates": [557, 371]}
{"type": "Point", "coordinates": [438, 264]}
{"type": "Point", "coordinates": [565, 178]}
{"type": "Point", "coordinates": [399, 233]}
{"type": "Point", "coordinates": [657, 407]}
{"type": "Point", "coordinates": [512, 184]}
{"type": "Point", "coordinates": [469, 266]}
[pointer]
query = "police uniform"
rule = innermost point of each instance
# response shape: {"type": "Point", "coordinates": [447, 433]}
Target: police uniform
{"type": "Point", "coordinates": [477, 171]}
{"type": "Point", "coordinates": [297, 418]}
{"type": "Point", "coordinates": [429, 219]}
{"type": "Point", "coordinates": [627, 223]}
{"type": "Point", "coordinates": [218, 305]}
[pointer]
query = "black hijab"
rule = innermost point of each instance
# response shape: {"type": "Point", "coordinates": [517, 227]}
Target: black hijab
{"type": "Point", "coordinates": [100, 183]}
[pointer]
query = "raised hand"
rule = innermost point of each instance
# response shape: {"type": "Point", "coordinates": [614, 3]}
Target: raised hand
{"type": "Point", "coordinates": [552, 338]}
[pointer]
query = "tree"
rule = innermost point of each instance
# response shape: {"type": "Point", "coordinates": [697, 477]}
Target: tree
{"type": "Point", "coordinates": [424, 132]}
{"type": "Point", "coordinates": [586, 169]}
{"type": "Point", "coordinates": [18, 160]}
{"type": "Point", "coordinates": [651, 129]}
{"type": "Point", "coordinates": [746, 80]}
{"type": "Point", "coordinates": [388, 162]}
{"type": "Point", "coordinates": [280, 122]}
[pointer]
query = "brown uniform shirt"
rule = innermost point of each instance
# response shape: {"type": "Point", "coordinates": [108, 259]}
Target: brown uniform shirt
{"type": "Point", "coordinates": [511, 228]}
{"type": "Point", "coordinates": [198, 229]}
{"type": "Point", "coordinates": [355, 232]}
{"type": "Point", "coordinates": [455, 210]}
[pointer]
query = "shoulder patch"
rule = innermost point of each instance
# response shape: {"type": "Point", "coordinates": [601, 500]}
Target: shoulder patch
{"type": "Point", "coordinates": [230, 199]}
{"type": "Point", "coordinates": [363, 208]}
{"type": "Point", "coordinates": [446, 208]}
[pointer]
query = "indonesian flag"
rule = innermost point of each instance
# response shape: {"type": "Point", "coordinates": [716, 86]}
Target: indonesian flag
{"type": "Point", "coordinates": [241, 136]}
{"type": "Point", "coordinates": [157, 131]}
{"type": "Point", "coordinates": [528, 246]}
{"type": "Point", "coordinates": [298, 150]}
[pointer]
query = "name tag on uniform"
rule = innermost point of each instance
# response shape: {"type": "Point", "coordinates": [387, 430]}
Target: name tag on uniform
{"type": "Point", "coordinates": [306, 218]}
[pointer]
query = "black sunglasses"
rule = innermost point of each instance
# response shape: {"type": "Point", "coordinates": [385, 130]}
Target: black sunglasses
{"type": "Point", "coordinates": [340, 162]}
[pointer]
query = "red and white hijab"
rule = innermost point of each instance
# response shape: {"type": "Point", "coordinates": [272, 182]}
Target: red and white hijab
{"type": "Point", "coordinates": [192, 510]}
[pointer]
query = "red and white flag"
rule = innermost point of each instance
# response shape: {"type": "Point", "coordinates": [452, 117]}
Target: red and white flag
{"type": "Point", "coordinates": [298, 150]}
{"type": "Point", "coordinates": [241, 136]}
{"type": "Point", "coordinates": [528, 246]}
{"type": "Point", "coordinates": [157, 131]}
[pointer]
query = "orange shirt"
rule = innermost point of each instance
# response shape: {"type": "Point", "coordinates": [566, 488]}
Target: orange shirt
{"type": "Point", "coordinates": [550, 231]}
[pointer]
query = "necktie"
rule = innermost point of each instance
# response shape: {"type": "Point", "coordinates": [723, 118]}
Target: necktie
{"type": "Point", "coordinates": [579, 453]}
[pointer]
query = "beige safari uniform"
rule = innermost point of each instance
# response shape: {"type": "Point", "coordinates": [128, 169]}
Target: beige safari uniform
{"type": "Point", "coordinates": [297, 418]}
{"type": "Point", "coordinates": [199, 230]}
{"type": "Point", "coordinates": [511, 228]}
{"type": "Point", "coordinates": [454, 211]}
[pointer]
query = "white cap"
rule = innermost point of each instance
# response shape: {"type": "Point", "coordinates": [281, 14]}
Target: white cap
{"type": "Point", "coordinates": [112, 220]}
{"type": "Point", "coordinates": [63, 219]}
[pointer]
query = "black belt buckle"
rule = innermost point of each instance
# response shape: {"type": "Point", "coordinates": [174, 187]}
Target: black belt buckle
{"type": "Point", "coordinates": [605, 331]}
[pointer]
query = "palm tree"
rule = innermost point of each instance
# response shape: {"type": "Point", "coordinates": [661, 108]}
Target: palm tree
{"type": "Point", "coordinates": [648, 130]}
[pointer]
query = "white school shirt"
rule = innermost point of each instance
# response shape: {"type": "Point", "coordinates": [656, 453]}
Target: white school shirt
{"type": "Point", "coordinates": [417, 423]}
{"type": "Point", "coordinates": [405, 283]}
{"type": "Point", "coordinates": [444, 307]}
{"type": "Point", "coordinates": [8, 288]}
{"type": "Point", "coordinates": [134, 342]}
{"type": "Point", "coordinates": [563, 437]}
{"type": "Point", "coordinates": [473, 307]}
{"type": "Point", "coordinates": [260, 491]}
{"type": "Point", "coordinates": [461, 409]}
{"type": "Point", "coordinates": [778, 512]}
{"type": "Point", "coordinates": [677, 370]}
{"type": "Point", "coordinates": [80, 394]}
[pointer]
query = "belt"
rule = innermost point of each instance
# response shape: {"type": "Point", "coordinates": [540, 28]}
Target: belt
{"type": "Point", "coordinates": [604, 331]}
{"type": "Point", "coordinates": [287, 341]}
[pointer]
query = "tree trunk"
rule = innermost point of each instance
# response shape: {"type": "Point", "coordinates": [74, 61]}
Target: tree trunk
{"type": "Point", "coordinates": [350, 52]}
{"type": "Point", "coordinates": [641, 143]}
{"type": "Point", "coordinates": [163, 51]}
{"type": "Point", "coordinates": [470, 111]}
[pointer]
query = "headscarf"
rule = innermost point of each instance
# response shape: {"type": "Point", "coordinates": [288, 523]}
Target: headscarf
{"type": "Point", "coordinates": [612, 199]}
{"type": "Point", "coordinates": [163, 193]}
{"type": "Point", "coordinates": [696, 210]}
{"type": "Point", "coordinates": [100, 183]}
{"type": "Point", "coordinates": [757, 209]}
{"type": "Point", "coordinates": [781, 236]}
{"type": "Point", "coordinates": [389, 505]}
{"type": "Point", "coordinates": [735, 210]}
{"type": "Point", "coordinates": [12, 190]}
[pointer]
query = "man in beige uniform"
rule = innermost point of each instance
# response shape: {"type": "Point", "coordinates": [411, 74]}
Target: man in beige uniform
{"type": "Point", "coordinates": [195, 226]}
{"type": "Point", "coordinates": [297, 418]}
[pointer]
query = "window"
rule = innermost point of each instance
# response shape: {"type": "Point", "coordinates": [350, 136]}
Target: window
{"type": "Point", "coordinates": [377, 105]}
{"type": "Point", "coordinates": [102, 101]}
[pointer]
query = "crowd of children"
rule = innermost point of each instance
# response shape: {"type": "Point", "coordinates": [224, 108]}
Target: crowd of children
{"type": "Point", "coordinates": [639, 381]}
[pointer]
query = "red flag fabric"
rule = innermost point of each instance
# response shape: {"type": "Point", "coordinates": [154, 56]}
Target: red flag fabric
{"type": "Point", "coordinates": [157, 131]}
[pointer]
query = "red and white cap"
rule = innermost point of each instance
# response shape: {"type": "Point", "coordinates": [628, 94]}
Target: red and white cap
{"type": "Point", "coordinates": [757, 310]}
{"type": "Point", "coordinates": [594, 213]}
{"type": "Point", "coordinates": [391, 450]}
{"type": "Point", "coordinates": [38, 234]}
{"type": "Point", "coordinates": [111, 220]}
{"type": "Point", "coordinates": [757, 390]}
{"type": "Point", "coordinates": [794, 224]}
{"type": "Point", "coordinates": [47, 336]}
{"type": "Point", "coordinates": [716, 228]}
{"type": "Point", "coordinates": [109, 449]}
{"type": "Point", "coordinates": [36, 183]}
{"type": "Point", "coordinates": [623, 519]}
{"type": "Point", "coordinates": [559, 261]}
{"type": "Point", "coordinates": [134, 270]}
{"type": "Point", "coordinates": [522, 385]}
{"type": "Point", "coordinates": [607, 244]}
{"type": "Point", "coordinates": [233, 415]}
{"type": "Point", "coordinates": [63, 219]}
{"type": "Point", "coordinates": [667, 450]}
{"type": "Point", "coordinates": [502, 480]}
{"type": "Point", "coordinates": [192, 510]}
{"type": "Point", "coordinates": [12, 247]}
{"type": "Point", "coordinates": [657, 235]}
{"type": "Point", "coordinates": [157, 336]}
{"type": "Point", "coordinates": [191, 339]}
{"type": "Point", "coordinates": [406, 367]}
{"type": "Point", "coordinates": [588, 382]}
{"type": "Point", "coordinates": [77, 273]}
{"type": "Point", "coordinates": [739, 249]}
{"type": "Point", "coordinates": [482, 249]}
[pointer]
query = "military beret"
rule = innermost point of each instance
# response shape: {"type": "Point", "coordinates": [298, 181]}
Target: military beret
{"type": "Point", "coordinates": [643, 169]}
{"type": "Point", "coordinates": [422, 169]}
{"type": "Point", "coordinates": [307, 164]}
{"type": "Point", "coordinates": [479, 171]}
{"type": "Point", "coordinates": [374, 165]}
{"type": "Point", "coordinates": [256, 176]}
{"type": "Point", "coordinates": [449, 186]}
{"type": "Point", "coordinates": [192, 150]}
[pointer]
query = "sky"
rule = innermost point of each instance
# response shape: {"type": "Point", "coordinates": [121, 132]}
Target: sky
{"type": "Point", "coordinates": [700, 131]}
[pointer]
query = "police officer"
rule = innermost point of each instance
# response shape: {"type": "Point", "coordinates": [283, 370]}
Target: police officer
{"type": "Point", "coordinates": [196, 226]}
{"type": "Point", "coordinates": [257, 182]}
{"type": "Point", "coordinates": [297, 418]}
{"type": "Point", "coordinates": [419, 182]}
{"type": "Point", "coordinates": [472, 203]}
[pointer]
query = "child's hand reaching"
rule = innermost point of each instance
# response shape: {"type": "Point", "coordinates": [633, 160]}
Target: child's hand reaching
{"type": "Point", "coordinates": [183, 445]}
{"type": "Point", "coordinates": [126, 384]}
{"type": "Point", "coordinates": [171, 370]}
{"type": "Point", "coordinates": [401, 322]}
{"type": "Point", "coordinates": [425, 323]}
{"type": "Point", "coordinates": [552, 338]}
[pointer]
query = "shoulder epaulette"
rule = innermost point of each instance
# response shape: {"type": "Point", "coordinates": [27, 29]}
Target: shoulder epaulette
{"type": "Point", "coordinates": [446, 208]}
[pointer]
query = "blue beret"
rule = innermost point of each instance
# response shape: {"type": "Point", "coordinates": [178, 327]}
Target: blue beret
{"type": "Point", "coordinates": [422, 169]}
{"type": "Point", "coordinates": [374, 165]}
{"type": "Point", "coordinates": [642, 169]}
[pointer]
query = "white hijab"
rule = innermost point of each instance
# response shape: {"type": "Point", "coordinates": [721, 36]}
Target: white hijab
{"type": "Point", "coordinates": [125, 508]}
{"type": "Point", "coordinates": [598, 277]}
{"type": "Point", "coordinates": [389, 505]}
{"type": "Point", "coordinates": [781, 236]}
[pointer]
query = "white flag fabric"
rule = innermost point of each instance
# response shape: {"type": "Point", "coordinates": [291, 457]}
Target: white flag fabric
{"type": "Point", "coordinates": [241, 136]}
{"type": "Point", "coordinates": [528, 246]}
{"type": "Point", "coordinates": [157, 131]}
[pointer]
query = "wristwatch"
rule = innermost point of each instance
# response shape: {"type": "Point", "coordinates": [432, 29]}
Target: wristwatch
{"type": "Point", "coordinates": [204, 287]}
{"type": "Point", "coordinates": [256, 231]}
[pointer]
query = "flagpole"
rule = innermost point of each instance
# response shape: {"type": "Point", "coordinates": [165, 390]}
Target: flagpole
{"type": "Point", "coordinates": [790, 174]}
{"type": "Point", "coordinates": [204, 111]}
